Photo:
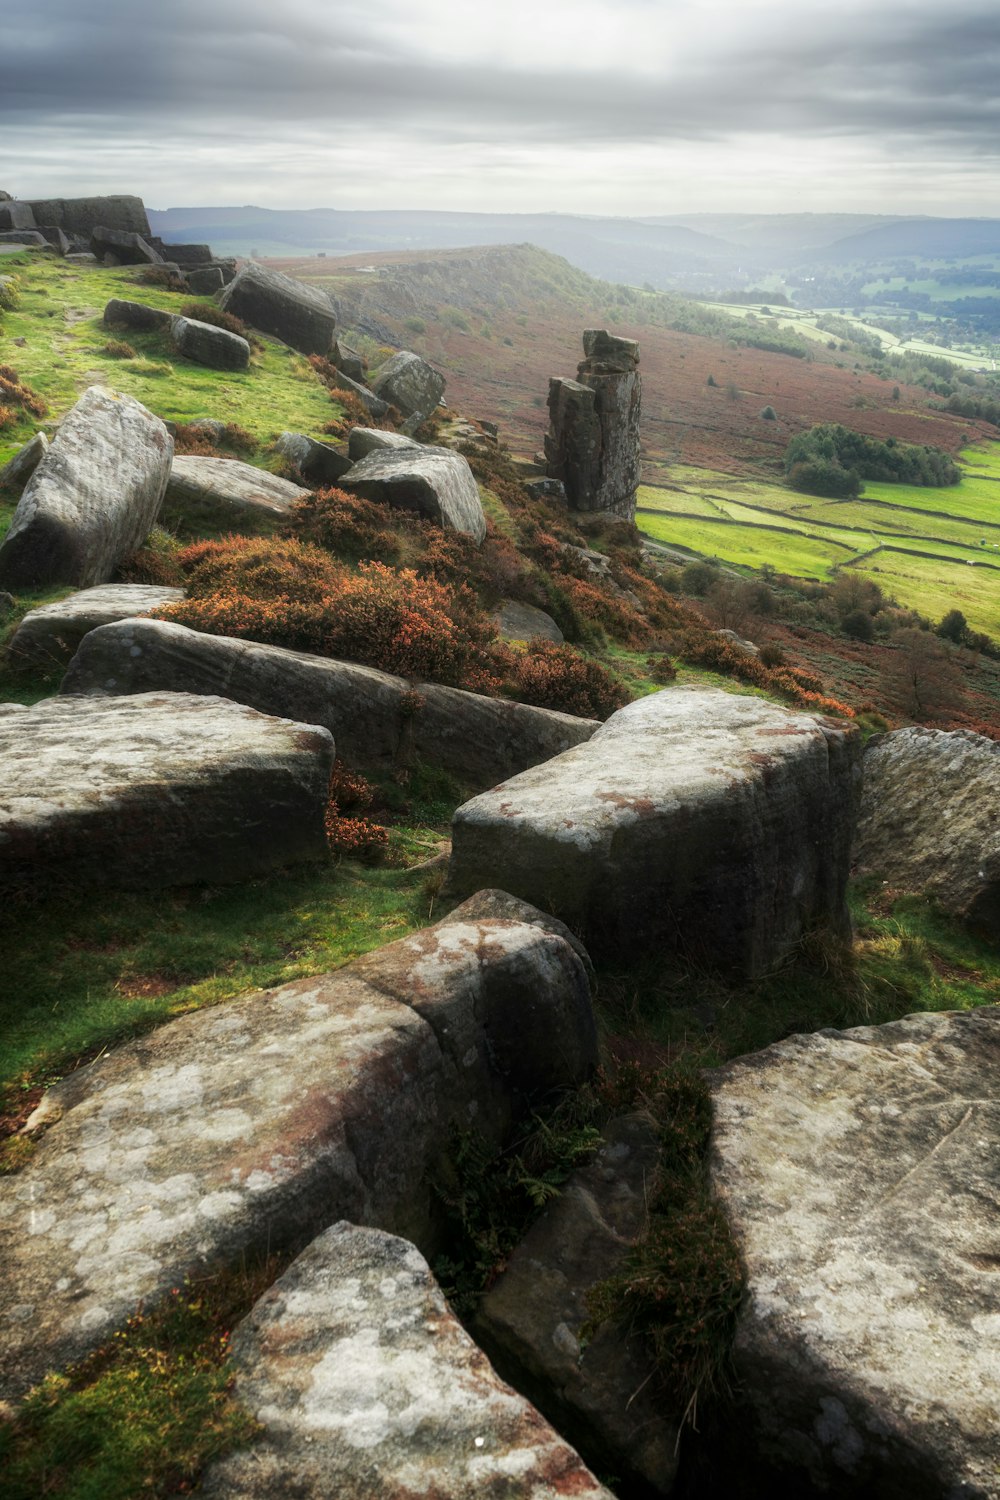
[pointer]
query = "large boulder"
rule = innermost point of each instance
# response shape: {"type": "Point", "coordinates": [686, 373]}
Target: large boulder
{"type": "Point", "coordinates": [222, 493]}
{"type": "Point", "coordinates": [376, 718]}
{"type": "Point", "coordinates": [253, 1126]}
{"type": "Point", "coordinates": [523, 622]}
{"type": "Point", "coordinates": [364, 440]}
{"type": "Point", "coordinates": [694, 823]}
{"type": "Point", "coordinates": [410, 384]}
{"type": "Point", "coordinates": [435, 483]}
{"type": "Point", "coordinates": [81, 215]}
{"type": "Point", "coordinates": [205, 281]}
{"type": "Point", "coordinates": [51, 634]}
{"type": "Point", "coordinates": [356, 1367]}
{"type": "Point", "coordinates": [319, 463]}
{"type": "Point", "coordinates": [16, 215]}
{"type": "Point", "coordinates": [123, 246]}
{"type": "Point", "coordinates": [208, 345]}
{"type": "Point", "coordinates": [859, 1171]}
{"type": "Point", "coordinates": [930, 818]}
{"type": "Point", "coordinates": [154, 790]}
{"type": "Point", "coordinates": [299, 315]}
{"type": "Point", "coordinates": [122, 314]}
{"type": "Point", "coordinates": [18, 470]}
{"type": "Point", "coordinates": [598, 1386]}
{"type": "Point", "coordinates": [93, 498]}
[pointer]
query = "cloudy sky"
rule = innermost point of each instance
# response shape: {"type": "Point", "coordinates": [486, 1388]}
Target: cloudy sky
{"type": "Point", "coordinates": [634, 107]}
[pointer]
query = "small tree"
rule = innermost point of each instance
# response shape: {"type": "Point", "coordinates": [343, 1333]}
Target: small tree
{"type": "Point", "coordinates": [954, 627]}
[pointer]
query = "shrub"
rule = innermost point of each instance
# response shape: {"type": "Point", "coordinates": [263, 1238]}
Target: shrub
{"type": "Point", "coordinates": [348, 834]}
{"type": "Point", "coordinates": [209, 312]}
{"type": "Point", "coordinates": [771, 654]}
{"type": "Point", "coordinates": [9, 293]}
{"type": "Point", "coordinates": [711, 381]}
{"type": "Point", "coordinates": [118, 349]}
{"type": "Point", "coordinates": [160, 276]}
{"type": "Point", "coordinates": [558, 677]}
{"type": "Point", "coordinates": [15, 394]}
{"type": "Point", "coordinates": [858, 624]}
{"type": "Point", "coordinates": [156, 561]}
{"type": "Point", "coordinates": [769, 414]}
{"type": "Point", "coordinates": [345, 525]}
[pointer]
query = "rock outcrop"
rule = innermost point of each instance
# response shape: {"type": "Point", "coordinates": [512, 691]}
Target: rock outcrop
{"type": "Point", "coordinates": [255, 1125]}
{"type": "Point", "coordinates": [155, 790]}
{"type": "Point", "coordinates": [78, 216]}
{"type": "Point", "coordinates": [376, 718]}
{"type": "Point", "coordinates": [365, 1383]}
{"type": "Point", "coordinates": [297, 314]}
{"type": "Point", "coordinates": [51, 634]}
{"type": "Point", "coordinates": [592, 446]}
{"type": "Point", "coordinates": [93, 498]}
{"type": "Point", "coordinates": [930, 818]}
{"type": "Point", "coordinates": [693, 823]}
{"type": "Point", "coordinates": [433, 482]}
{"type": "Point", "coordinates": [599, 1387]}
{"type": "Point", "coordinates": [410, 384]}
{"type": "Point", "coordinates": [222, 493]}
{"type": "Point", "coordinates": [859, 1173]}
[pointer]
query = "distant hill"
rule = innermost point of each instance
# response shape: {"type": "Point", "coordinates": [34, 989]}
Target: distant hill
{"type": "Point", "coordinates": [928, 238]}
{"type": "Point", "coordinates": [783, 234]}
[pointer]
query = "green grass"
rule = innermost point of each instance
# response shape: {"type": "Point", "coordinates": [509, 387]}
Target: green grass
{"type": "Point", "coordinates": [59, 314]}
{"type": "Point", "coordinates": [934, 587]}
{"type": "Point", "coordinates": [749, 546]}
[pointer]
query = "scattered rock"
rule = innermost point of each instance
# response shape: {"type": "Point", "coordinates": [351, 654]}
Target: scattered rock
{"type": "Point", "coordinates": [157, 789]}
{"type": "Point", "coordinates": [859, 1173]}
{"type": "Point", "coordinates": [523, 622]}
{"type": "Point", "coordinates": [205, 281]}
{"type": "Point", "coordinates": [299, 315]}
{"type": "Point", "coordinates": [592, 445]}
{"type": "Point", "coordinates": [436, 484]}
{"type": "Point", "coordinates": [747, 647]}
{"type": "Point", "coordinates": [366, 1384]}
{"type": "Point", "coordinates": [194, 256]}
{"type": "Point", "coordinates": [410, 384]}
{"type": "Point", "coordinates": [364, 440]}
{"type": "Point", "coordinates": [376, 719]}
{"type": "Point", "coordinates": [51, 634]}
{"type": "Point", "coordinates": [320, 464]}
{"type": "Point", "coordinates": [600, 1389]}
{"type": "Point", "coordinates": [219, 492]}
{"type": "Point", "coordinates": [930, 818]}
{"type": "Point", "coordinates": [208, 345]}
{"type": "Point", "coordinates": [547, 489]}
{"type": "Point", "coordinates": [121, 314]}
{"type": "Point", "coordinates": [348, 360]}
{"type": "Point", "coordinates": [54, 236]}
{"type": "Point", "coordinates": [93, 497]}
{"type": "Point", "coordinates": [252, 1126]}
{"type": "Point", "coordinates": [127, 247]}
{"type": "Point", "coordinates": [373, 405]}
{"type": "Point", "coordinates": [32, 237]}
{"type": "Point", "coordinates": [693, 823]}
{"type": "Point", "coordinates": [18, 470]}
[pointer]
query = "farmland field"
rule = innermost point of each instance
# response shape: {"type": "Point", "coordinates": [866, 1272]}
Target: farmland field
{"type": "Point", "coordinates": [932, 549]}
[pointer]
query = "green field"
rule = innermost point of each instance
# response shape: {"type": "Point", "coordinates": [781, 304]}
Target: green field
{"type": "Point", "coordinates": [885, 534]}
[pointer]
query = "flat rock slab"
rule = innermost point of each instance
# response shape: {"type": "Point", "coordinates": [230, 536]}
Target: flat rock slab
{"type": "Point", "coordinates": [364, 440]}
{"type": "Point", "coordinates": [300, 315]}
{"type": "Point", "coordinates": [155, 790]}
{"type": "Point", "coordinates": [859, 1170]}
{"type": "Point", "coordinates": [253, 1126]}
{"type": "Point", "coordinates": [436, 484]}
{"type": "Point", "coordinates": [598, 1386]}
{"type": "Point", "coordinates": [52, 633]}
{"type": "Point", "coordinates": [694, 823]}
{"type": "Point", "coordinates": [93, 497]}
{"type": "Point", "coordinates": [225, 492]}
{"type": "Point", "coordinates": [930, 818]}
{"type": "Point", "coordinates": [376, 718]}
{"type": "Point", "coordinates": [366, 1384]}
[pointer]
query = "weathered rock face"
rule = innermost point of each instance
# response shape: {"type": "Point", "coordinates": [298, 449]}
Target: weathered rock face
{"type": "Point", "coordinates": [373, 716]}
{"type": "Point", "coordinates": [155, 790]}
{"type": "Point", "coordinates": [436, 484]}
{"type": "Point", "coordinates": [410, 384]}
{"type": "Point", "coordinates": [374, 405]}
{"type": "Point", "coordinates": [208, 345]}
{"type": "Point", "coordinates": [16, 215]}
{"type": "Point", "coordinates": [205, 281]}
{"type": "Point", "coordinates": [122, 246]}
{"type": "Point", "coordinates": [223, 492]}
{"type": "Point", "coordinates": [600, 1390]}
{"type": "Point", "coordinates": [367, 1384]}
{"type": "Point", "coordinates": [299, 315]}
{"type": "Point", "coordinates": [52, 633]}
{"type": "Point", "coordinates": [693, 822]}
{"type": "Point", "coordinates": [18, 470]}
{"type": "Point", "coordinates": [592, 445]}
{"type": "Point", "coordinates": [93, 498]}
{"type": "Point", "coordinates": [930, 818]}
{"type": "Point", "coordinates": [318, 463]}
{"type": "Point", "coordinates": [81, 215]}
{"type": "Point", "coordinates": [523, 622]}
{"type": "Point", "coordinates": [364, 440]}
{"type": "Point", "coordinates": [255, 1125]}
{"type": "Point", "coordinates": [859, 1172]}
{"type": "Point", "coordinates": [135, 315]}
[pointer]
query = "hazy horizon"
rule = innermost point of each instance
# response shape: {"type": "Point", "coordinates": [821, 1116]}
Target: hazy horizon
{"type": "Point", "coordinates": [714, 107]}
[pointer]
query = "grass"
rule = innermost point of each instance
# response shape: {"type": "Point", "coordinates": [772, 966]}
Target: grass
{"type": "Point", "coordinates": [59, 315]}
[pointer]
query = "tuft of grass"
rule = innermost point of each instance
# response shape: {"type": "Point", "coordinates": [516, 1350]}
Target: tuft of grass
{"type": "Point", "coordinates": [118, 349]}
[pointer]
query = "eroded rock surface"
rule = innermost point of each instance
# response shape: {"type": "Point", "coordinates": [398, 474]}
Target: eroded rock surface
{"type": "Point", "coordinates": [208, 345]}
{"type": "Point", "coordinates": [600, 1388]}
{"type": "Point", "coordinates": [299, 315]}
{"type": "Point", "coordinates": [410, 384]}
{"type": "Point", "coordinates": [436, 484]}
{"type": "Point", "coordinates": [253, 1126]}
{"type": "Point", "coordinates": [523, 622]}
{"type": "Point", "coordinates": [693, 822]}
{"type": "Point", "coordinates": [52, 633]}
{"type": "Point", "coordinates": [19, 469]}
{"type": "Point", "coordinates": [225, 492]}
{"type": "Point", "coordinates": [94, 496]}
{"type": "Point", "coordinates": [366, 1384]}
{"type": "Point", "coordinates": [930, 818]}
{"type": "Point", "coordinates": [592, 446]}
{"type": "Point", "coordinates": [376, 718]}
{"type": "Point", "coordinates": [154, 790]}
{"type": "Point", "coordinates": [120, 313]}
{"type": "Point", "coordinates": [859, 1170]}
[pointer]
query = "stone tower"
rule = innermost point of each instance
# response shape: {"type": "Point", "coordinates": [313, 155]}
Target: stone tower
{"type": "Point", "coordinates": [593, 440]}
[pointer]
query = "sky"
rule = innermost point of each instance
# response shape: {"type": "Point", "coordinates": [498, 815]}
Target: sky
{"type": "Point", "coordinates": [638, 107]}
